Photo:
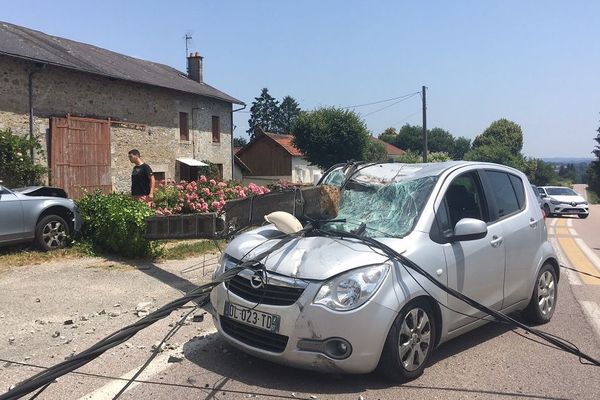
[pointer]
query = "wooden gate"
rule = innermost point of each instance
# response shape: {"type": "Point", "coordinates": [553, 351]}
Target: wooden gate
{"type": "Point", "coordinates": [80, 155]}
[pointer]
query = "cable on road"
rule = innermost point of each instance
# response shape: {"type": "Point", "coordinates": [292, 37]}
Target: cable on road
{"type": "Point", "coordinates": [580, 272]}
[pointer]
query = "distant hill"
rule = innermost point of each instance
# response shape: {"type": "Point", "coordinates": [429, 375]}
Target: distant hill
{"type": "Point", "coordinates": [567, 160]}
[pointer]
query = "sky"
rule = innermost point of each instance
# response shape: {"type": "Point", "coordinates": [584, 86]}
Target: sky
{"type": "Point", "coordinates": [536, 63]}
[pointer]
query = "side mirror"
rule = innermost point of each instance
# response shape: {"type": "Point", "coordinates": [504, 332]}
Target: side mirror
{"type": "Point", "coordinates": [468, 229]}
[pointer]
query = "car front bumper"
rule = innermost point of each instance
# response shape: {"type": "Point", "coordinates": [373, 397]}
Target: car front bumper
{"type": "Point", "coordinates": [306, 328]}
{"type": "Point", "coordinates": [569, 209]}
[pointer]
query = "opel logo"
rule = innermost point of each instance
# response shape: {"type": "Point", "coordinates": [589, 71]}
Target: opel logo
{"type": "Point", "coordinates": [259, 279]}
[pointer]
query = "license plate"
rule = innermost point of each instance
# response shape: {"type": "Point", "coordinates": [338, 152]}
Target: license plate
{"type": "Point", "coordinates": [269, 322]}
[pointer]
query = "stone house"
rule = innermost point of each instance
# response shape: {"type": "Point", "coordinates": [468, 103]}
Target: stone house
{"type": "Point", "coordinates": [89, 106]}
{"type": "Point", "coordinates": [270, 157]}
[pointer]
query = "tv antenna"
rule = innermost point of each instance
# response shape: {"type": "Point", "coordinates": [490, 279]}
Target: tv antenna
{"type": "Point", "coordinates": [187, 37]}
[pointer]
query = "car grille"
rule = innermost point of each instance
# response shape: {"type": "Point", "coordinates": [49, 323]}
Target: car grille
{"type": "Point", "coordinates": [572, 210]}
{"type": "Point", "coordinates": [254, 337]}
{"type": "Point", "coordinates": [269, 294]}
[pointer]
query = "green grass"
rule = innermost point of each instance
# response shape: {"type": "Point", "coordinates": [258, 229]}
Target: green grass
{"type": "Point", "coordinates": [182, 249]}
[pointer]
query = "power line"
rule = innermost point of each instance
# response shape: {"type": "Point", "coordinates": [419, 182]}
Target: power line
{"type": "Point", "coordinates": [383, 101]}
{"type": "Point", "coordinates": [391, 105]}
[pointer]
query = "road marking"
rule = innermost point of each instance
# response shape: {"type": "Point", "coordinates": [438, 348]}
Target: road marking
{"type": "Point", "coordinates": [569, 222]}
{"type": "Point", "coordinates": [572, 276]}
{"type": "Point", "coordinates": [592, 313]}
{"type": "Point", "coordinates": [551, 231]}
{"type": "Point", "coordinates": [553, 222]}
{"type": "Point", "coordinates": [578, 259]}
{"type": "Point", "coordinates": [573, 232]}
{"type": "Point", "coordinates": [589, 254]}
{"type": "Point", "coordinates": [158, 365]}
{"type": "Point", "coordinates": [562, 231]}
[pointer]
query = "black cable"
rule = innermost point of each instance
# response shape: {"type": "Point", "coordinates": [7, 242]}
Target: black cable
{"type": "Point", "coordinates": [384, 101]}
{"type": "Point", "coordinates": [156, 351]}
{"type": "Point", "coordinates": [580, 272]}
{"type": "Point", "coordinates": [388, 106]}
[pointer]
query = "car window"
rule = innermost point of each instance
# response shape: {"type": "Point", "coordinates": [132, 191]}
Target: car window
{"type": "Point", "coordinates": [463, 199]}
{"type": "Point", "coordinates": [542, 192]}
{"type": "Point", "coordinates": [503, 192]}
{"type": "Point", "coordinates": [517, 185]}
{"type": "Point", "coordinates": [561, 191]}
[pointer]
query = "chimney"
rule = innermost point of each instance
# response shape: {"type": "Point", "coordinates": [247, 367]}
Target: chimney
{"type": "Point", "coordinates": [194, 67]}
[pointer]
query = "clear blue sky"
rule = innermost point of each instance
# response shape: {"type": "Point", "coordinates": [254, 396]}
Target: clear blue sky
{"type": "Point", "coordinates": [534, 62]}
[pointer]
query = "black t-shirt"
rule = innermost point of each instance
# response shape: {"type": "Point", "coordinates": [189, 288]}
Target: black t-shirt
{"type": "Point", "coordinates": [140, 180]}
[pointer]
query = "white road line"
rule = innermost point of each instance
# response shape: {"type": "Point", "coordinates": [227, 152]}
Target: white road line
{"type": "Point", "coordinates": [592, 313]}
{"type": "Point", "coordinates": [573, 232]}
{"type": "Point", "coordinates": [594, 259]}
{"type": "Point", "coordinates": [551, 231]}
{"type": "Point", "coordinates": [554, 221]}
{"type": "Point", "coordinates": [158, 365]}
{"type": "Point", "coordinates": [572, 276]}
{"type": "Point", "coordinates": [569, 222]}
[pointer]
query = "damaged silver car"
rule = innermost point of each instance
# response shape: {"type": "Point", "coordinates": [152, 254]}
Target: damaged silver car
{"type": "Point", "coordinates": [334, 303]}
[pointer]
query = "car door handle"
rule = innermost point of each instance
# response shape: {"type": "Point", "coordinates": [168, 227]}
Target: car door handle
{"type": "Point", "coordinates": [532, 223]}
{"type": "Point", "coordinates": [496, 241]}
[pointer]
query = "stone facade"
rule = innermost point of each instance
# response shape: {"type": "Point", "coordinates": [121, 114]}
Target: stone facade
{"type": "Point", "coordinates": [150, 115]}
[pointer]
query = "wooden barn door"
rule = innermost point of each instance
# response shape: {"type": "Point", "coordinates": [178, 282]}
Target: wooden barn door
{"type": "Point", "coordinates": [80, 155]}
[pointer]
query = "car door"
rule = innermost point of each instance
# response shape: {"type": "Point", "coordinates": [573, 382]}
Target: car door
{"type": "Point", "coordinates": [11, 216]}
{"type": "Point", "coordinates": [521, 223]}
{"type": "Point", "coordinates": [475, 267]}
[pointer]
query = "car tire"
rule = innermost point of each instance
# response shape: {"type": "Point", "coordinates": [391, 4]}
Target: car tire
{"type": "Point", "coordinates": [51, 233]}
{"type": "Point", "coordinates": [583, 216]}
{"type": "Point", "coordinates": [547, 210]}
{"type": "Point", "coordinates": [543, 299]}
{"type": "Point", "coordinates": [409, 343]}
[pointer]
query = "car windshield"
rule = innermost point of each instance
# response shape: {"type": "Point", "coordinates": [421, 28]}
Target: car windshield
{"type": "Point", "coordinates": [560, 192]}
{"type": "Point", "coordinates": [383, 200]}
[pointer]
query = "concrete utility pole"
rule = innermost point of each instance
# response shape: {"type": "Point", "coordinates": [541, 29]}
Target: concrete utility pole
{"type": "Point", "coordinates": [424, 98]}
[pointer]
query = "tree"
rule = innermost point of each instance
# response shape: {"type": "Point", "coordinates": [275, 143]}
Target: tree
{"type": "Point", "coordinates": [375, 152]}
{"type": "Point", "coordinates": [593, 172]}
{"type": "Point", "coordinates": [439, 139]}
{"type": "Point", "coordinates": [540, 173]}
{"type": "Point", "coordinates": [461, 146]}
{"type": "Point", "coordinates": [410, 138]}
{"type": "Point", "coordinates": [16, 166]}
{"type": "Point", "coordinates": [415, 157]}
{"type": "Point", "coordinates": [239, 142]}
{"type": "Point", "coordinates": [264, 113]}
{"type": "Point", "coordinates": [288, 112]}
{"type": "Point", "coordinates": [500, 143]}
{"type": "Point", "coordinates": [330, 135]}
{"type": "Point", "coordinates": [389, 135]}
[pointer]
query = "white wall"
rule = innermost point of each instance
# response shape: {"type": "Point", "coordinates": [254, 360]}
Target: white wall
{"type": "Point", "coordinates": [302, 171]}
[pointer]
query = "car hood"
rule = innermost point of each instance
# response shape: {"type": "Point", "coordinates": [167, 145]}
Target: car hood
{"type": "Point", "coordinates": [313, 258]}
{"type": "Point", "coordinates": [568, 199]}
{"type": "Point", "coordinates": [41, 191]}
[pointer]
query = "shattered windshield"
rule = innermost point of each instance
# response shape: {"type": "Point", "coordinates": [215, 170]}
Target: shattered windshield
{"type": "Point", "coordinates": [383, 201]}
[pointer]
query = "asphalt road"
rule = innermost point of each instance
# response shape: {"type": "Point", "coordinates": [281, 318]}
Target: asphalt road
{"type": "Point", "coordinates": [102, 296]}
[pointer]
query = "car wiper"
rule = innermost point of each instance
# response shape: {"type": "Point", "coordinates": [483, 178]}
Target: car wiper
{"type": "Point", "coordinates": [360, 231]}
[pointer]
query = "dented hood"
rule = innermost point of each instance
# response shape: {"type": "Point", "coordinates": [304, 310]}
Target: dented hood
{"type": "Point", "coordinates": [315, 258]}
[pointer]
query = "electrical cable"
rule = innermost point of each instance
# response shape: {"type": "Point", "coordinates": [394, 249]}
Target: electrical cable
{"type": "Point", "coordinates": [580, 272]}
{"type": "Point", "coordinates": [383, 101]}
{"type": "Point", "coordinates": [388, 106]}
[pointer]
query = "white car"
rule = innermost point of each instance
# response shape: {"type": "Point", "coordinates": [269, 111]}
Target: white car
{"type": "Point", "coordinates": [327, 302]}
{"type": "Point", "coordinates": [559, 200]}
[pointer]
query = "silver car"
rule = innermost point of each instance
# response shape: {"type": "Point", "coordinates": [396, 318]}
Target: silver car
{"type": "Point", "coordinates": [339, 305]}
{"type": "Point", "coordinates": [40, 214]}
{"type": "Point", "coordinates": [559, 200]}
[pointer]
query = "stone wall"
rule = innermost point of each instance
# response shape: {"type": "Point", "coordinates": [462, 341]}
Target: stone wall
{"type": "Point", "coordinates": [59, 91]}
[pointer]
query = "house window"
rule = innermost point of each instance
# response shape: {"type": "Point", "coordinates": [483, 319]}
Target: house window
{"type": "Point", "coordinates": [159, 176]}
{"type": "Point", "coordinates": [184, 128]}
{"type": "Point", "coordinates": [216, 130]}
{"type": "Point", "coordinates": [220, 168]}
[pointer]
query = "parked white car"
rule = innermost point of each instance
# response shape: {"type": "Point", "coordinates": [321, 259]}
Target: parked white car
{"type": "Point", "coordinates": [559, 200]}
{"type": "Point", "coordinates": [338, 305]}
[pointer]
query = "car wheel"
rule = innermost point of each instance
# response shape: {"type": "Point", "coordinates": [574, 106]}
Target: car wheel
{"type": "Point", "coordinates": [543, 300]}
{"type": "Point", "coordinates": [547, 210]}
{"type": "Point", "coordinates": [51, 233]}
{"type": "Point", "coordinates": [409, 343]}
{"type": "Point", "coordinates": [583, 216]}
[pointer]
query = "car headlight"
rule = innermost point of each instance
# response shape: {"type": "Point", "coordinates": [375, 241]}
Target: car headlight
{"type": "Point", "coordinates": [555, 202]}
{"type": "Point", "coordinates": [352, 289]}
{"type": "Point", "coordinates": [225, 263]}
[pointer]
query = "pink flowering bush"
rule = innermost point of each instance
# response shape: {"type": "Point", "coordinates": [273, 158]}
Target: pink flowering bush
{"type": "Point", "coordinates": [199, 196]}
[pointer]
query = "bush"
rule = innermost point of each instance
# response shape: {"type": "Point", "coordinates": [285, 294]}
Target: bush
{"type": "Point", "coordinates": [16, 166]}
{"type": "Point", "coordinates": [115, 223]}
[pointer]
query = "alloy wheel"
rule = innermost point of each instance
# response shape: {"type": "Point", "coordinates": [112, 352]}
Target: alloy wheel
{"type": "Point", "coordinates": [54, 234]}
{"type": "Point", "coordinates": [546, 293]}
{"type": "Point", "coordinates": [415, 339]}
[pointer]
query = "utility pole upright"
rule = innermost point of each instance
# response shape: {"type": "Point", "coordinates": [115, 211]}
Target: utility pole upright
{"type": "Point", "coordinates": [424, 98]}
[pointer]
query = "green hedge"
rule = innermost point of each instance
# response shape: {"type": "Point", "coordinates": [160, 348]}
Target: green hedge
{"type": "Point", "coordinates": [115, 223]}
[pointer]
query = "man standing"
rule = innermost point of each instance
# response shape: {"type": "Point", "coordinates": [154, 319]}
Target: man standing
{"type": "Point", "coordinates": [142, 179]}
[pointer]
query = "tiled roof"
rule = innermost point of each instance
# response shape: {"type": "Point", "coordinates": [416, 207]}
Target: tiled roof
{"type": "Point", "coordinates": [28, 44]}
{"type": "Point", "coordinates": [389, 148]}
{"type": "Point", "coordinates": [285, 141]}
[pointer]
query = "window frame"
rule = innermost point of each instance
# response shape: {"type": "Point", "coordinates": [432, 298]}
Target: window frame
{"type": "Point", "coordinates": [184, 127]}
{"type": "Point", "coordinates": [216, 133]}
{"type": "Point", "coordinates": [494, 215]}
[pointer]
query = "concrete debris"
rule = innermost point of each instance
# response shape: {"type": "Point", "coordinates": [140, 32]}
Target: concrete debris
{"type": "Point", "coordinates": [174, 359]}
{"type": "Point", "coordinates": [102, 312]}
{"type": "Point", "coordinates": [67, 341]}
{"type": "Point", "coordinates": [198, 318]}
{"type": "Point", "coordinates": [293, 394]}
{"type": "Point", "coordinates": [11, 340]}
{"type": "Point", "coordinates": [68, 322]}
{"type": "Point", "coordinates": [361, 397]}
{"type": "Point", "coordinates": [114, 314]}
{"type": "Point", "coordinates": [312, 396]}
{"type": "Point", "coordinates": [27, 358]}
{"type": "Point", "coordinates": [159, 346]}
{"type": "Point", "coordinates": [116, 305]}
{"type": "Point", "coordinates": [90, 331]}
{"type": "Point", "coordinates": [37, 300]}
{"type": "Point", "coordinates": [171, 346]}
{"type": "Point", "coordinates": [84, 318]}
{"type": "Point", "coordinates": [142, 309]}
{"type": "Point", "coordinates": [74, 326]}
{"type": "Point", "coordinates": [56, 334]}
{"type": "Point", "coordinates": [141, 347]}
{"type": "Point", "coordinates": [40, 322]}
{"type": "Point", "coordinates": [128, 345]}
